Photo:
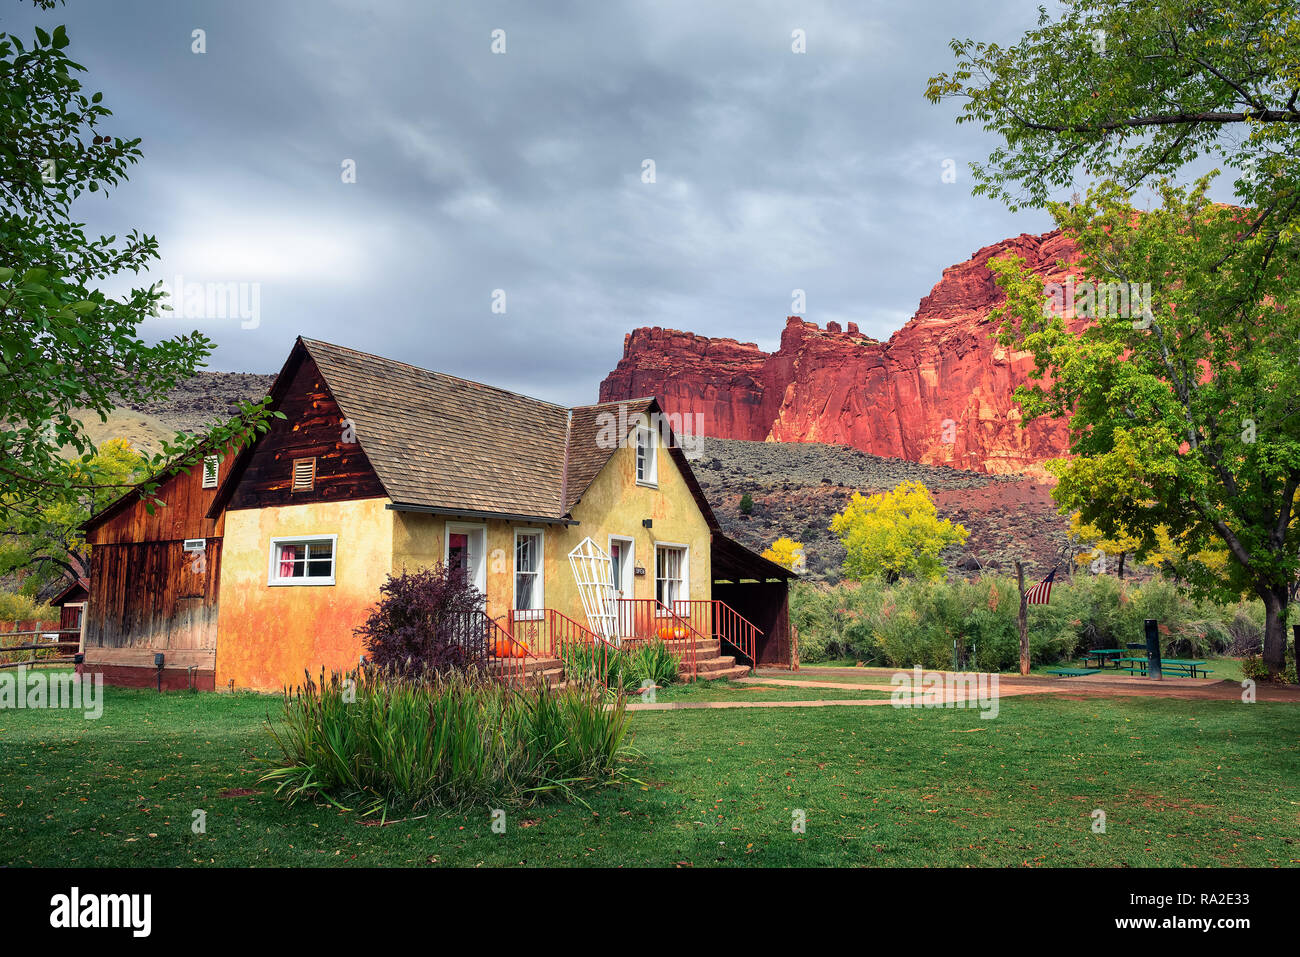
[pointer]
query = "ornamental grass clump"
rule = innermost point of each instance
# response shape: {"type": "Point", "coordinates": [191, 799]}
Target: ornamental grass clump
{"type": "Point", "coordinates": [622, 668]}
{"type": "Point", "coordinates": [382, 742]}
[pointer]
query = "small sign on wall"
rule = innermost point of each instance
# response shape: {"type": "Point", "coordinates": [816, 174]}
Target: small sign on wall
{"type": "Point", "coordinates": [639, 571]}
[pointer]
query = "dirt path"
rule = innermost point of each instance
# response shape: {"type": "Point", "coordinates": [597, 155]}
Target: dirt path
{"type": "Point", "coordinates": [1087, 686]}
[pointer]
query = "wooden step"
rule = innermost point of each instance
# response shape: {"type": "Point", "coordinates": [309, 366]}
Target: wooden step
{"type": "Point", "coordinates": [720, 663]}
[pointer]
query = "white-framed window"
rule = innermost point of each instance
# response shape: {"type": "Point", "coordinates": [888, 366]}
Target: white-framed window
{"type": "Point", "coordinates": [647, 462]}
{"type": "Point", "coordinates": [210, 466]}
{"type": "Point", "coordinates": [465, 547]}
{"type": "Point", "coordinates": [530, 562]}
{"type": "Point", "coordinates": [672, 574]}
{"type": "Point", "coordinates": [308, 560]}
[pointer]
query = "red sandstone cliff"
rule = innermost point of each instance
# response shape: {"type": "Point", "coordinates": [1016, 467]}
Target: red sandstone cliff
{"type": "Point", "coordinates": [891, 398]}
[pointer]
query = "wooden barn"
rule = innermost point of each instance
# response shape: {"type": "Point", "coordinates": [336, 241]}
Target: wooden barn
{"type": "Point", "coordinates": [153, 583]}
{"type": "Point", "coordinates": [71, 603]}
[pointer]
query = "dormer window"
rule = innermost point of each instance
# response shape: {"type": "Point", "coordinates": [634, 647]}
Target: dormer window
{"type": "Point", "coordinates": [647, 470]}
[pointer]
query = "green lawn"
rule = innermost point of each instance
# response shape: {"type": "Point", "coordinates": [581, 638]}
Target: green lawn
{"type": "Point", "coordinates": [1182, 784]}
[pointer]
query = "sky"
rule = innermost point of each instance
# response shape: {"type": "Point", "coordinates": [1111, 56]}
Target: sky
{"type": "Point", "coordinates": [374, 174]}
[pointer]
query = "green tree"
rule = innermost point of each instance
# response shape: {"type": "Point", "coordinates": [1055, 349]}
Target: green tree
{"type": "Point", "coordinates": [1186, 417]}
{"type": "Point", "coordinates": [746, 504]}
{"type": "Point", "coordinates": [67, 349]}
{"type": "Point", "coordinates": [895, 534]}
{"type": "Point", "coordinates": [47, 542]}
{"type": "Point", "coordinates": [1128, 92]}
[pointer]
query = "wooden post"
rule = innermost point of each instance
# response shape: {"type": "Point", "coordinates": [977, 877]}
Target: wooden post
{"type": "Point", "coordinates": [1022, 620]}
{"type": "Point", "coordinates": [81, 640]}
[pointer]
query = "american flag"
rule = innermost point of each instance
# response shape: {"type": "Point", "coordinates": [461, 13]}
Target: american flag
{"type": "Point", "coordinates": [1041, 593]}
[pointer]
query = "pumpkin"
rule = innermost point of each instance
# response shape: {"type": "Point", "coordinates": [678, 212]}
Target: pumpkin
{"type": "Point", "coordinates": [501, 649]}
{"type": "Point", "coordinates": [520, 649]}
{"type": "Point", "coordinates": [665, 633]}
{"type": "Point", "coordinates": [679, 632]}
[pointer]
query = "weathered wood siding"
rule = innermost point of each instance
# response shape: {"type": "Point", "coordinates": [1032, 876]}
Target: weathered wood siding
{"type": "Point", "coordinates": [313, 426]}
{"type": "Point", "coordinates": [154, 595]}
{"type": "Point", "coordinates": [147, 593]}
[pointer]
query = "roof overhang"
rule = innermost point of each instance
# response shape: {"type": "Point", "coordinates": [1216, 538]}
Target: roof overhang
{"type": "Point", "coordinates": [473, 515]}
{"type": "Point", "coordinates": [732, 561]}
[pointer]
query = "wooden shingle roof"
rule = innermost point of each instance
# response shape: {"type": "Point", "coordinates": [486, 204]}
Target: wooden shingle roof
{"type": "Point", "coordinates": [439, 441]}
{"type": "Point", "coordinates": [447, 445]}
{"type": "Point", "coordinates": [589, 447]}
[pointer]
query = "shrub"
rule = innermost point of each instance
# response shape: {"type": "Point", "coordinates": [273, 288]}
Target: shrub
{"type": "Point", "coordinates": [918, 622]}
{"type": "Point", "coordinates": [392, 741]}
{"type": "Point", "coordinates": [15, 606]}
{"type": "Point", "coordinates": [652, 661]}
{"type": "Point", "coordinates": [1253, 667]}
{"type": "Point", "coordinates": [424, 622]}
{"type": "Point", "coordinates": [1245, 630]}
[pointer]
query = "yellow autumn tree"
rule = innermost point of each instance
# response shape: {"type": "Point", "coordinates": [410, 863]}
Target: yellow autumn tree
{"type": "Point", "coordinates": [1116, 547]}
{"type": "Point", "coordinates": [787, 553]}
{"type": "Point", "coordinates": [895, 534]}
{"type": "Point", "coordinates": [1168, 555]}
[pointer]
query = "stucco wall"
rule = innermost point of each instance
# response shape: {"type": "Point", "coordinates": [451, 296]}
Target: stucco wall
{"type": "Point", "coordinates": [616, 505]}
{"type": "Point", "coordinates": [268, 634]}
{"type": "Point", "coordinates": [613, 505]}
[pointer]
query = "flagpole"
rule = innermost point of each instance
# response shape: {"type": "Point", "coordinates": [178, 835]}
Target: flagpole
{"type": "Point", "coordinates": [1022, 619]}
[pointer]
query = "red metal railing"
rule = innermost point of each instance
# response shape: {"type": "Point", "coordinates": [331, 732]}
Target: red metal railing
{"type": "Point", "coordinates": [546, 633]}
{"type": "Point", "coordinates": [507, 657]}
{"type": "Point", "coordinates": [717, 619]}
{"type": "Point", "coordinates": [645, 619]}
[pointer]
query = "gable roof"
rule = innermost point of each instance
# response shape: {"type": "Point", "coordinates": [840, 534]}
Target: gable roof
{"type": "Point", "coordinates": [134, 495]}
{"type": "Point", "coordinates": [78, 589]}
{"type": "Point", "coordinates": [440, 441]}
{"type": "Point", "coordinates": [449, 445]}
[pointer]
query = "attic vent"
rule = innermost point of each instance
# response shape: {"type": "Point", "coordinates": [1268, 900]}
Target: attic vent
{"type": "Point", "coordinates": [195, 545]}
{"type": "Point", "coordinates": [304, 474]}
{"type": "Point", "coordinates": [209, 471]}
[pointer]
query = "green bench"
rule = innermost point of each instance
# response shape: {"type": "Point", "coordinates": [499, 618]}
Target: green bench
{"type": "Point", "coordinates": [1178, 667]}
{"type": "Point", "coordinates": [1072, 672]}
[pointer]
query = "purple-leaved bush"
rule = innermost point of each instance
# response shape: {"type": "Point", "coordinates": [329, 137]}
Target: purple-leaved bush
{"type": "Point", "coordinates": [427, 620]}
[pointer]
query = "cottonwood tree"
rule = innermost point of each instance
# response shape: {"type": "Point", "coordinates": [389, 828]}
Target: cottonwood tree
{"type": "Point", "coordinates": [1127, 93]}
{"type": "Point", "coordinates": [895, 534]}
{"type": "Point", "coordinates": [47, 544]}
{"type": "Point", "coordinates": [787, 553]}
{"type": "Point", "coordinates": [1184, 419]}
{"type": "Point", "coordinates": [68, 350]}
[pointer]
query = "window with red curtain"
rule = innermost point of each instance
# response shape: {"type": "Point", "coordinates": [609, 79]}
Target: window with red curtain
{"type": "Point", "coordinates": [288, 554]}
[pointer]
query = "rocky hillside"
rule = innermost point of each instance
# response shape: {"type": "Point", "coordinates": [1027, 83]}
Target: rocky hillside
{"type": "Point", "coordinates": [797, 487]}
{"type": "Point", "coordinates": [205, 399]}
{"type": "Point", "coordinates": [938, 392]}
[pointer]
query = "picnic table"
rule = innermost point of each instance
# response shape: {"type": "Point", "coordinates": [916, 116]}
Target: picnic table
{"type": "Point", "coordinates": [1104, 655]}
{"type": "Point", "coordinates": [1179, 666]}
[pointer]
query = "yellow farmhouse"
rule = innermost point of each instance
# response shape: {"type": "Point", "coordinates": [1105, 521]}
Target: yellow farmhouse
{"type": "Point", "coordinates": [378, 467]}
